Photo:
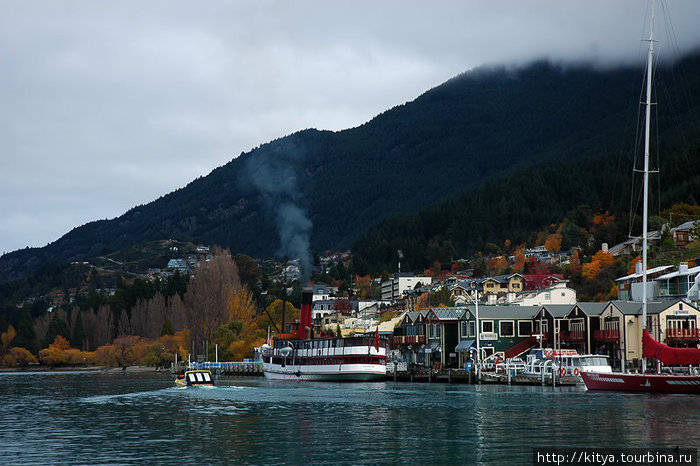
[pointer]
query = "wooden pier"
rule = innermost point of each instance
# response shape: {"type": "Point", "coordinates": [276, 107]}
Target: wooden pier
{"type": "Point", "coordinates": [233, 369]}
{"type": "Point", "coordinates": [429, 375]}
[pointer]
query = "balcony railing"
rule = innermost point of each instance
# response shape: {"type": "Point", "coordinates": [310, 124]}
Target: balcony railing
{"type": "Point", "coordinates": [682, 334]}
{"type": "Point", "coordinates": [607, 335]}
{"type": "Point", "coordinates": [405, 340]}
{"type": "Point", "coordinates": [573, 335]}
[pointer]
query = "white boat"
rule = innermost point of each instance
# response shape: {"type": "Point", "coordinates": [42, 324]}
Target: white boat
{"type": "Point", "coordinates": [566, 363]}
{"type": "Point", "coordinates": [195, 378]}
{"type": "Point", "coordinates": [325, 359]}
{"type": "Point", "coordinates": [294, 356]}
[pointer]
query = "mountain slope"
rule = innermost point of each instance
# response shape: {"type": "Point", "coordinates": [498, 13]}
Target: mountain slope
{"type": "Point", "coordinates": [327, 188]}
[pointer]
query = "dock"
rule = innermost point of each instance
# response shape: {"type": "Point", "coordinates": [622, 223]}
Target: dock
{"type": "Point", "coordinates": [429, 375]}
{"type": "Point", "coordinates": [247, 368]}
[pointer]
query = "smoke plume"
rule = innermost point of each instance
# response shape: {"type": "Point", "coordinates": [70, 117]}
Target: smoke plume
{"type": "Point", "coordinates": [272, 171]}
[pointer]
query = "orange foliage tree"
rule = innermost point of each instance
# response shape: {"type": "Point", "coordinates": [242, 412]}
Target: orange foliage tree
{"type": "Point", "coordinates": [497, 265]}
{"type": "Point", "coordinates": [55, 354]}
{"type": "Point", "coordinates": [520, 259]}
{"type": "Point", "coordinates": [553, 242]}
{"type": "Point", "coordinates": [601, 261]}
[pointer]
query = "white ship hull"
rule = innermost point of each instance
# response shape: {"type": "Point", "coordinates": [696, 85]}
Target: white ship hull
{"type": "Point", "coordinates": [357, 359]}
{"type": "Point", "coordinates": [329, 373]}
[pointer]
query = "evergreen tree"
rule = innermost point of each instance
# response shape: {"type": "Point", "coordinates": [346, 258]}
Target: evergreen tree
{"type": "Point", "coordinates": [25, 331]}
{"type": "Point", "coordinates": [167, 328]}
{"type": "Point", "coordinates": [78, 340]}
{"type": "Point", "coordinates": [57, 326]}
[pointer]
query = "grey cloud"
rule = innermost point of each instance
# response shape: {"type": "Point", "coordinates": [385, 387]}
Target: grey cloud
{"type": "Point", "coordinates": [130, 100]}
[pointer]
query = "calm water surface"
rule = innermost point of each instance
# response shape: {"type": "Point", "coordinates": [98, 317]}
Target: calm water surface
{"type": "Point", "coordinates": [141, 418]}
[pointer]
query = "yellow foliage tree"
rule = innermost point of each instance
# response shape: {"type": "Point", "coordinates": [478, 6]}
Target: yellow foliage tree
{"type": "Point", "coordinates": [5, 340]}
{"type": "Point", "coordinates": [19, 357]}
{"type": "Point", "coordinates": [54, 355]}
{"type": "Point", "coordinates": [75, 357]}
{"type": "Point", "coordinates": [242, 306]}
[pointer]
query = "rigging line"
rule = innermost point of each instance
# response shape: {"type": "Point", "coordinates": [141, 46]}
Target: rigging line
{"type": "Point", "coordinates": [636, 156]}
{"type": "Point", "coordinates": [686, 124]}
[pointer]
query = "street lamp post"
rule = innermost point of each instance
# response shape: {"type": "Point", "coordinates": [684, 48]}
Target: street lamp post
{"type": "Point", "coordinates": [478, 348]}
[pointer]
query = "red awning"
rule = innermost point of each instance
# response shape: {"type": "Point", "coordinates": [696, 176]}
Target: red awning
{"type": "Point", "coordinates": [666, 354]}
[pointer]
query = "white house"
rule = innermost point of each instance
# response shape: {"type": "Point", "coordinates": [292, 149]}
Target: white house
{"type": "Point", "coordinates": [556, 294]}
{"type": "Point", "coordinates": [392, 289]}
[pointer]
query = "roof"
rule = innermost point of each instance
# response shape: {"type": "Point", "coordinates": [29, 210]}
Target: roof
{"type": "Point", "coordinates": [449, 313]}
{"type": "Point", "coordinates": [504, 312]}
{"type": "Point", "coordinates": [502, 278]}
{"type": "Point", "coordinates": [464, 345]}
{"type": "Point", "coordinates": [685, 226]}
{"type": "Point", "coordinates": [691, 271]}
{"type": "Point", "coordinates": [649, 272]}
{"type": "Point", "coordinates": [559, 311]}
{"type": "Point", "coordinates": [592, 309]}
{"type": "Point", "coordinates": [653, 307]}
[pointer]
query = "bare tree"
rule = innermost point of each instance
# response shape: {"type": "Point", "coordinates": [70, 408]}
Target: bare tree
{"type": "Point", "coordinates": [210, 293]}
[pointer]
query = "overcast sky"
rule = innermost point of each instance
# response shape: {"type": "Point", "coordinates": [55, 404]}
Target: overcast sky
{"type": "Point", "coordinates": [105, 105]}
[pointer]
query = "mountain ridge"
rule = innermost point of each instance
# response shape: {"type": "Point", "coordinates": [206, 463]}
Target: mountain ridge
{"type": "Point", "coordinates": [481, 124]}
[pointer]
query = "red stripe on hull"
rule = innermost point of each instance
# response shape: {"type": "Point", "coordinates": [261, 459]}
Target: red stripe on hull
{"type": "Point", "coordinates": [641, 382]}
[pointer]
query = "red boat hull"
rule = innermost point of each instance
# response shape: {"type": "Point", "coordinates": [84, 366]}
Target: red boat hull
{"type": "Point", "coordinates": [641, 382]}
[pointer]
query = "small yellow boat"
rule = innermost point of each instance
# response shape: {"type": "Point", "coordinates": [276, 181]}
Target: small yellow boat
{"type": "Point", "coordinates": [195, 378]}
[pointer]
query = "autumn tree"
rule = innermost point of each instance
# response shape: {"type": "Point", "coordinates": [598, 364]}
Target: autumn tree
{"type": "Point", "coordinates": [343, 306]}
{"type": "Point", "coordinates": [498, 265]}
{"type": "Point", "coordinates": [55, 354]}
{"type": "Point", "coordinates": [520, 260]}
{"type": "Point", "coordinates": [242, 307]}
{"type": "Point", "coordinates": [210, 291]}
{"type": "Point", "coordinates": [5, 341]}
{"type": "Point", "coordinates": [19, 357]}
{"type": "Point", "coordinates": [121, 353]}
{"type": "Point", "coordinates": [274, 311]}
{"type": "Point", "coordinates": [553, 242]}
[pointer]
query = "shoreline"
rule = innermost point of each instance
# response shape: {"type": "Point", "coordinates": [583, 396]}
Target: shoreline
{"type": "Point", "coordinates": [78, 369]}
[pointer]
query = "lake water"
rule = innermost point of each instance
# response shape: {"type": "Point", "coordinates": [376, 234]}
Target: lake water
{"type": "Point", "coordinates": [141, 418]}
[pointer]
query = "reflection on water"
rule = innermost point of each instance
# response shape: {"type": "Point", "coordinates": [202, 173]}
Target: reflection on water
{"type": "Point", "coordinates": [129, 418]}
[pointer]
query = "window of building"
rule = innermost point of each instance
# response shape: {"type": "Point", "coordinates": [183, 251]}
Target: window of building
{"type": "Point", "coordinates": [487, 326]}
{"type": "Point", "coordinates": [468, 328]}
{"type": "Point", "coordinates": [524, 328]}
{"type": "Point", "coordinates": [506, 328]}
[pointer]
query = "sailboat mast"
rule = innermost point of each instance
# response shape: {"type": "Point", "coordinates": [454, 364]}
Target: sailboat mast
{"type": "Point", "coordinates": [647, 144]}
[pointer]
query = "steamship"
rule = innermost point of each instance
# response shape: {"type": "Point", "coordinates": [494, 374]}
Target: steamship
{"type": "Point", "coordinates": [300, 356]}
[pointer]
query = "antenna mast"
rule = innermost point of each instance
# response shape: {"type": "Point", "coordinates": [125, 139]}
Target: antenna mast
{"type": "Point", "coordinates": [647, 144]}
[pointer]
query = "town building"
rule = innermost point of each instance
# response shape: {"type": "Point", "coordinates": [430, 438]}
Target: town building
{"type": "Point", "coordinates": [393, 289]}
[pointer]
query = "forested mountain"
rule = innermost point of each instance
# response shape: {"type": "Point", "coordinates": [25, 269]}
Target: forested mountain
{"type": "Point", "coordinates": [522, 145]}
